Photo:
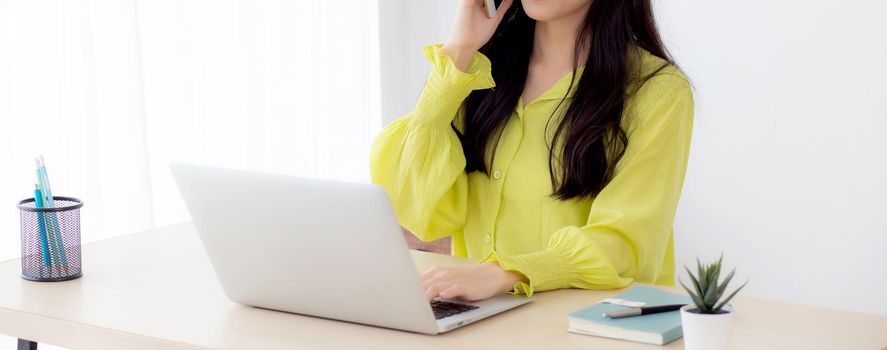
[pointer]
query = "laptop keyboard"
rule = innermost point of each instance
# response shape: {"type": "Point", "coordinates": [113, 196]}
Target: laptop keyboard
{"type": "Point", "coordinates": [446, 309]}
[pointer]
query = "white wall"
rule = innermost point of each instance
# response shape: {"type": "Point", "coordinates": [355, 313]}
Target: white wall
{"type": "Point", "coordinates": [788, 171]}
{"type": "Point", "coordinates": [407, 26]}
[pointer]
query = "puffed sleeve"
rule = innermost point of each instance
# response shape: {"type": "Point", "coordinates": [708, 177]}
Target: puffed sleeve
{"type": "Point", "coordinates": [418, 158]}
{"type": "Point", "coordinates": [630, 222]}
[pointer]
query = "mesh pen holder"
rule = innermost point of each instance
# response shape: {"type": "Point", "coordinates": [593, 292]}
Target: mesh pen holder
{"type": "Point", "coordinates": [51, 240]}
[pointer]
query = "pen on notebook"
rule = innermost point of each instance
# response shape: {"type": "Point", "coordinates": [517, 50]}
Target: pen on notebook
{"type": "Point", "coordinates": [44, 245]}
{"type": "Point", "coordinates": [638, 311]}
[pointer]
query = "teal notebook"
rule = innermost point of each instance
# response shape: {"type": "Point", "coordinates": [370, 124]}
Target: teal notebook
{"type": "Point", "coordinates": [659, 329]}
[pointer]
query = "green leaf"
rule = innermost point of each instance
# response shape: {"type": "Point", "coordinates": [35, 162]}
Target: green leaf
{"type": "Point", "coordinates": [711, 280]}
{"type": "Point", "coordinates": [703, 285]}
{"type": "Point", "coordinates": [710, 296]}
{"type": "Point", "coordinates": [723, 286]}
{"type": "Point", "coordinates": [716, 274]}
{"type": "Point", "coordinates": [695, 281]}
{"type": "Point", "coordinates": [725, 301]}
{"type": "Point", "coordinates": [696, 299]}
{"type": "Point", "coordinates": [708, 278]}
{"type": "Point", "coordinates": [686, 288]}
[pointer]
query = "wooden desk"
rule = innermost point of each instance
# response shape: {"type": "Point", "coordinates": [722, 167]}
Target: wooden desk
{"type": "Point", "coordinates": [156, 290]}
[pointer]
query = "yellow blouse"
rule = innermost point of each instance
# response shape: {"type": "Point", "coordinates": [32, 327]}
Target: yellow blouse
{"type": "Point", "coordinates": [624, 234]}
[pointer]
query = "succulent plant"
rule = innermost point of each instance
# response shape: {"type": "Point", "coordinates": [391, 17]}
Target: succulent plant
{"type": "Point", "coordinates": [707, 291]}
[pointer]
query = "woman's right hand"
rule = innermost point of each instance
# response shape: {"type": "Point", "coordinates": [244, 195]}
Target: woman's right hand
{"type": "Point", "coordinates": [471, 30]}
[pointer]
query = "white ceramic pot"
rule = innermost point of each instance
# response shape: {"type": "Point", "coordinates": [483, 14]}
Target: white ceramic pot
{"type": "Point", "coordinates": [706, 332]}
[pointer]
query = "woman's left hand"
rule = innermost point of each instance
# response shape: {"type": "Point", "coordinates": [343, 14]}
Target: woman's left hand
{"type": "Point", "coordinates": [470, 283]}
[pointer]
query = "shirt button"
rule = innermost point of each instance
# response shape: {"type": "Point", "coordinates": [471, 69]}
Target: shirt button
{"type": "Point", "coordinates": [488, 238]}
{"type": "Point", "coordinates": [497, 174]}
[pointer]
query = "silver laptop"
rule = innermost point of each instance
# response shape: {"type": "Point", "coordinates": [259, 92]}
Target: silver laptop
{"type": "Point", "coordinates": [314, 247]}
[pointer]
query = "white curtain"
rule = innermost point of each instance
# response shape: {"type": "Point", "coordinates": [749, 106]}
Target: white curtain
{"type": "Point", "coordinates": [112, 91]}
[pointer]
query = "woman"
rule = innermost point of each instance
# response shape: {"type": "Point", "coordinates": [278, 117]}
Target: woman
{"type": "Point", "coordinates": [550, 142]}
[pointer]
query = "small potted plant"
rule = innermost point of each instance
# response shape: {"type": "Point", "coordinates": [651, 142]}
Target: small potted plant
{"type": "Point", "coordinates": [708, 320]}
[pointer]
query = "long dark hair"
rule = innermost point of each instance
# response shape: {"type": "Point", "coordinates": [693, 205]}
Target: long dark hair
{"type": "Point", "coordinates": [590, 130]}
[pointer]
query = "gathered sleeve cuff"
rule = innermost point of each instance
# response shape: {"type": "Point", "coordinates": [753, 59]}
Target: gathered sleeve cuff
{"type": "Point", "coordinates": [572, 259]}
{"type": "Point", "coordinates": [447, 86]}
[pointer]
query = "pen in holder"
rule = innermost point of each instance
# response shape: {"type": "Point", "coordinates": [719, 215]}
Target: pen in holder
{"type": "Point", "coordinates": [51, 240]}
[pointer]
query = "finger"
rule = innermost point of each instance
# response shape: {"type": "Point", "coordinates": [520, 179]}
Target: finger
{"type": "Point", "coordinates": [455, 291]}
{"type": "Point", "coordinates": [430, 293]}
{"type": "Point", "coordinates": [430, 272]}
{"type": "Point", "coordinates": [439, 277]}
{"type": "Point", "coordinates": [434, 290]}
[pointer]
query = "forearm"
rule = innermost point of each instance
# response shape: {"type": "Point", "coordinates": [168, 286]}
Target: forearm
{"type": "Point", "coordinates": [503, 280]}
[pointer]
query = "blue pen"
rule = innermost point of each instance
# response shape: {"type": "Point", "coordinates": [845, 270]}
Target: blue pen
{"type": "Point", "coordinates": [38, 203]}
{"type": "Point", "coordinates": [50, 237]}
{"type": "Point", "coordinates": [55, 231]}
